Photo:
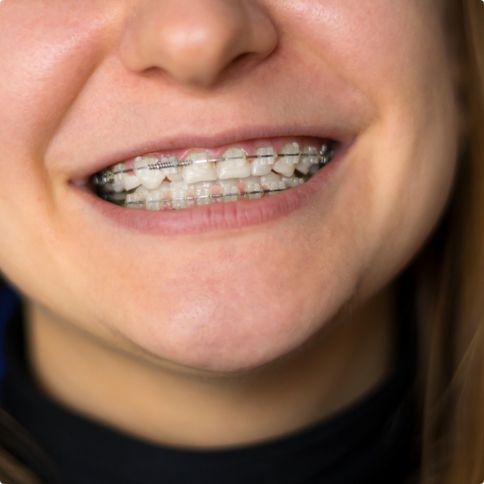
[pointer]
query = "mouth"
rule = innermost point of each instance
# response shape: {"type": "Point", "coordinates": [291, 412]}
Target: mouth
{"type": "Point", "coordinates": [186, 179]}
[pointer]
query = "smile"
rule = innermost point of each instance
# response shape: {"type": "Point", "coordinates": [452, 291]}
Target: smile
{"type": "Point", "coordinates": [203, 177]}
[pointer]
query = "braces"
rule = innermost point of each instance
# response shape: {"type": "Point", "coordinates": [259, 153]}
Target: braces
{"type": "Point", "coordinates": [107, 176]}
{"type": "Point", "coordinates": [166, 203]}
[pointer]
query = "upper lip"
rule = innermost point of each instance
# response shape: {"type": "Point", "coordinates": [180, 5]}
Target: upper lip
{"type": "Point", "coordinates": [187, 141]}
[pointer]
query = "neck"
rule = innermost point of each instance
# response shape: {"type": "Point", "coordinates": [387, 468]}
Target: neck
{"type": "Point", "coordinates": [167, 405]}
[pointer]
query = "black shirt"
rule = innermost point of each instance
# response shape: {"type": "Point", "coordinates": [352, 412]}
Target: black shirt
{"type": "Point", "coordinates": [372, 441]}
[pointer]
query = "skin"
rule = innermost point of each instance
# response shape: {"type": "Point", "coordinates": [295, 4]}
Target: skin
{"type": "Point", "coordinates": [154, 335]}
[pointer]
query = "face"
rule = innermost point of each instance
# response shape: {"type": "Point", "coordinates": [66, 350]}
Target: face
{"type": "Point", "coordinates": [232, 285]}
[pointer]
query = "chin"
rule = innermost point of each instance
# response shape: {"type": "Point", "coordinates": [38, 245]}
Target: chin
{"type": "Point", "coordinates": [222, 334]}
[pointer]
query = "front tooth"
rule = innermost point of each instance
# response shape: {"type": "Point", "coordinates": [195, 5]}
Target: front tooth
{"type": "Point", "coordinates": [253, 189]}
{"type": "Point", "coordinates": [262, 165]}
{"type": "Point", "coordinates": [272, 182]}
{"type": "Point", "coordinates": [271, 177]}
{"type": "Point", "coordinates": [179, 192]}
{"type": "Point", "coordinates": [202, 193]}
{"type": "Point", "coordinates": [229, 182]}
{"type": "Point", "coordinates": [200, 170]}
{"type": "Point", "coordinates": [285, 165]}
{"type": "Point", "coordinates": [206, 184]}
{"type": "Point", "coordinates": [259, 170]}
{"type": "Point", "coordinates": [173, 173]}
{"type": "Point", "coordinates": [150, 178]}
{"type": "Point", "coordinates": [155, 200]}
{"type": "Point", "coordinates": [169, 160]}
{"type": "Point", "coordinates": [250, 179]}
{"type": "Point", "coordinates": [230, 194]}
{"type": "Point", "coordinates": [291, 149]}
{"type": "Point", "coordinates": [175, 177]}
{"type": "Point", "coordinates": [229, 189]}
{"type": "Point", "coordinates": [235, 166]}
{"type": "Point", "coordinates": [283, 168]}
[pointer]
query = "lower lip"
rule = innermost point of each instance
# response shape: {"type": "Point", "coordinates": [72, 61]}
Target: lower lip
{"type": "Point", "coordinates": [217, 216]}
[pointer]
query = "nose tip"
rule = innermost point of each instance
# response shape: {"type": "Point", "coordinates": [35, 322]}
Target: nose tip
{"type": "Point", "coordinates": [197, 52]}
{"type": "Point", "coordinates": [195, 41]}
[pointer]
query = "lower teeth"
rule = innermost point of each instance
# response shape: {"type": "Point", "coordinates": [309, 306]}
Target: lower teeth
{"type": "Point", "coordinates": [197, 195]}
{"type": "Point", "coordinates": [176, 194]}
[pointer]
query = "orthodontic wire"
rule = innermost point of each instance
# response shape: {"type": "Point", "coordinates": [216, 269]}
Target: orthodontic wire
{"type": "Point", "coordinates": [107, 176]}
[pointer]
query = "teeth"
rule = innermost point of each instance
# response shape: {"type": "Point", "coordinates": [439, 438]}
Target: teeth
{"type": "Point", "coordinates": [272, 182]}
{"type": "Point", "coordinates": [230, 194]}
{"type": "Point", "coordinates": [250, 179]}
{"type": "Point", "coordinates": [175, 177]}
{"type": "Point", "coordinates": [157, 200]}
{"type": "Point", "coordinates": [142, 192]}
{"type": "Point", "coordinates": [202, 193]}
{"type": "Point", "coordinates": [229, 189]}
{"type": "Point", "coordinates": [230, 182]}
{"type": "Point", "coordinates": [118, 185]}
{"type": "Point", "coordinates": [308, 158]}
{"type": "Point", "coordinates": [207, 184]}
{"type": "Point", "coordinates": [235, 166]}
{"type": "Point", "coordinates": [201, 181]}
{"type": "Point", "coordinates": [173, 173]}
{"type": "Point", "coordinates": [283, 168]}
{"type": "Point", "coordinates": [303, 166]}
{"type": "Point", "coordinates": [313, 155]}
{"type": "Point", "coordinates": [130, 182]}
{"type": "Point", "coordinates": [292, 152]}
{"type": "Point", "coordinates": [200, 170]}
{"type": "Point", "coordinates": [179, 192]}
{"type": "Point", "coordinates": [271, 177]}
{"type": "Point", "coordinates": [138, 198]}
{"type": "Point", "coordinates": [259, 170]}
{"type": "Point", "coordinates": [262, 165]}
{"type": "Point", "coordinates": [292, 181]}
{"type": "Point", "coordinates": [253, 190]}
{"type": "Point", "coordinates": [149, 178]}
{"type": "Point", "coordinates": [285, 165]}
{"type": "Point", "coordinates": [133, 201]}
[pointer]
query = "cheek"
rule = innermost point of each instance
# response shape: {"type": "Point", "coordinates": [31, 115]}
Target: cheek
{"type": "Point", "coordinates": [47, 52]}
{"type": "Point", "coordinates": [396, 54]}
{"type": "Point", "coordinates": [46, 56]}
{"type": "Point", "coordinates": [379, 49]}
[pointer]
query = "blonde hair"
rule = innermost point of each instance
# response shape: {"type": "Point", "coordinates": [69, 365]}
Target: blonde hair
{"type": "Point", "coordinates": [452, 299]}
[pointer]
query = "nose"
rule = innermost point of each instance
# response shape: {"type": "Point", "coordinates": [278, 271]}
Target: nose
{"type": "Point", "coordinates": [196, 42]}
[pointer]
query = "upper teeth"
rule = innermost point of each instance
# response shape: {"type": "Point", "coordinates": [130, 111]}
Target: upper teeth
{"type": "Point", "coordinates": [150, 171]}
{"type": "Point", "coordinates": [149, 178]}
{"type": "Point", "coordinates": [200, 169]}
{"type": "Point", "coordinates": [262, 165]}
{"type": "Point", "coordinates": [234, 166]}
